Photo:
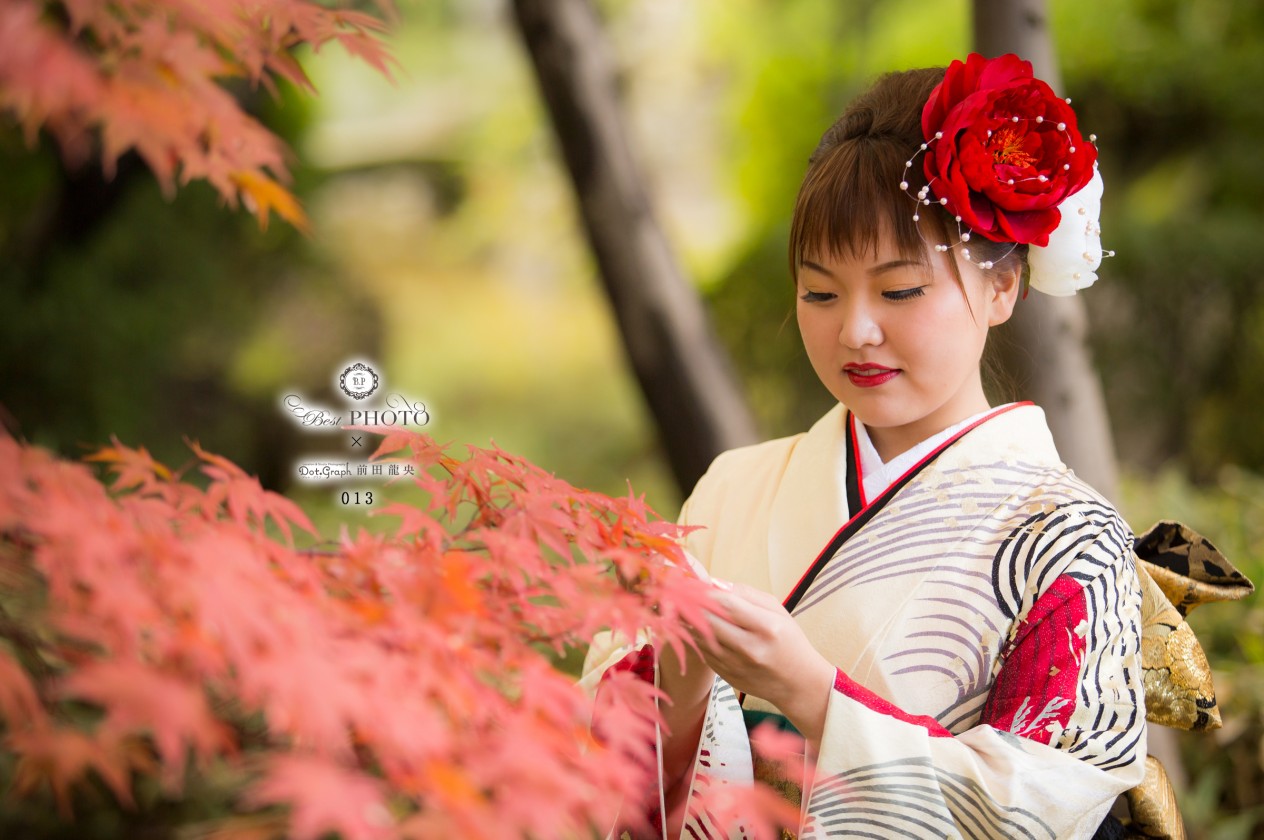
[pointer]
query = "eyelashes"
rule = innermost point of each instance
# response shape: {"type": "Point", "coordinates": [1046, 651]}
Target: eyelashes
{"type": "Point", "coordinates": [905, 294]}
{"type": "Point", "coordinates": [894, 295]}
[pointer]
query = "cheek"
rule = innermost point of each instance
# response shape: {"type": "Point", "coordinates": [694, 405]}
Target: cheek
{"type": "Point", "coordinates": [942, 334]}
{"type": "Point", "coordinates": [813, 327]}
{"type": "Point", "coordinates": [820, 341]}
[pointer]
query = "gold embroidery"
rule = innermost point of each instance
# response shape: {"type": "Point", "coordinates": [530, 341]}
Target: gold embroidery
{"type": "Point", "coordinates": [1177, 676]}
{"type": "Point", "coordinates": [1179, 570]}
{"type": "Point", "coordinates": [770, 774]}
{"type": "Point", "coordinates": [1152, 805]}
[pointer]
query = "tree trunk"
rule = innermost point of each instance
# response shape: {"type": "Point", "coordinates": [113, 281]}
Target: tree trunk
{"type": "Point", "coordinates": [1048, 356]}
{"type": "Point", "coordinates": [682, 369]}
{"type": "Point", "coordinates": [1047, 352]}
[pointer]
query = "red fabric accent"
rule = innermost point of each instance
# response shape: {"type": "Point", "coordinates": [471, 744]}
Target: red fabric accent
{"type": "Point", "coordinates": [929, 456]}
{"type": "Point", "coordinates": [849, 687]}
{"type": "Point", "coordinates": [640, 662]}
{"type": "Point", "coordinates": [1036, 688]}
{"type": "Point", "coordinates": [860, 467]}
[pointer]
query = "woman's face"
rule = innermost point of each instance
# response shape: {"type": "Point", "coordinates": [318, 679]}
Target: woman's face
{"type": "Point", "coordinates": [895, 340]}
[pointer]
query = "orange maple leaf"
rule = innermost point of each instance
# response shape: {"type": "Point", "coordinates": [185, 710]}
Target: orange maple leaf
{"type": "Point", "coordinates": [138, 698]}
{"type": "Point", "coordinates": [61, 757]}
{"type": "Point", "coordinates": [260, 194]}
{"type": "Point", "coordinates": [133, 467]}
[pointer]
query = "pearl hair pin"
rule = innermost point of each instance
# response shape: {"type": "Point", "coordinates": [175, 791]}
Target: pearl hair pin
{"type": "Point", "coordinates": [1007, 168]}
{"type": "Point", "coordinates": [923, 198]}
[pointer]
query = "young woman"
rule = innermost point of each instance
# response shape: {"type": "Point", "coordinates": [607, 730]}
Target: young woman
{"type": "Point", "coordinates": [962, 656]}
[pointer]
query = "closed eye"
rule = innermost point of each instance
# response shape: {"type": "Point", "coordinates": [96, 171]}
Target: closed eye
{"type": "Point", "coordinates": [904, 294]}
{"type": "Point", "coordinates": [815, 297]}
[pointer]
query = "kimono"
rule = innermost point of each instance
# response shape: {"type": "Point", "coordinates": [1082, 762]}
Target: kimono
{"type": "Point", "coordinates": [983, 614]}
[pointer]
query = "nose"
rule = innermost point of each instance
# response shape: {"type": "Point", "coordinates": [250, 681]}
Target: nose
{"type": "Point", "coordinates": [860, 328]}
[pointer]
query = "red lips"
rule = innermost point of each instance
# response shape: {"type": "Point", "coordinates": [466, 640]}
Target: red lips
{"type": "Point", "coordinates": [869, 375]}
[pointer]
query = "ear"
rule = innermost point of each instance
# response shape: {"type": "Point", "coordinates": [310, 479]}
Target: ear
{"type": "Point", "coordinates": [1002, 293]}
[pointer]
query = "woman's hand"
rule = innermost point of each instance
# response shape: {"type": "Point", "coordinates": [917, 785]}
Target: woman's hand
{"type": "Point", "coordinates": [688, 684]}
{"type": "Point", "coordinates": [760, 649]}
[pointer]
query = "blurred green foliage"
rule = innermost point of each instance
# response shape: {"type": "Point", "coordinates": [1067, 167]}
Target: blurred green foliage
{"type": "Point", "coordinates": [1172, 89]}
{"type": "Point", "coordinates": [1225, 799]}
{"type": "Point", "coordinates": [126, 314]}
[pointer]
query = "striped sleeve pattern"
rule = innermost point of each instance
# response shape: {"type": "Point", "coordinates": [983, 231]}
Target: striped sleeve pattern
{"type": "Point", "coordinates": [1062, 730]}
{"type": "Point", "coordinates": [914, 798]}
{"type": "Point", "coordinates": [1069, 674]}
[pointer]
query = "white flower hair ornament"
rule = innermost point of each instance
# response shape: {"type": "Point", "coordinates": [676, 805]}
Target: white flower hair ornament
{"type": "Point", "coordinates": [1069, 262]}
{"type": "Point", "coordinates": [1004, 156]}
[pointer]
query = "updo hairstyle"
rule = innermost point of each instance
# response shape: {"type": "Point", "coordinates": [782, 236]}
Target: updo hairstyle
{"type": "Point", "coordinates": [852, 185]}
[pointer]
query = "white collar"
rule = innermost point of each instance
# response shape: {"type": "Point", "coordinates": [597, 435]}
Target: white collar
{"type": "Point", "coordinates": [810, 498]}
{"type": "Point", "coordinates": [879, 475]}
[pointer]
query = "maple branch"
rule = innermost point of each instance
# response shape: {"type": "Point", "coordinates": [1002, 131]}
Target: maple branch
{"type": "Point", "coordinates": [29, 651]}
{"type": "Point", "coordinates": [104, 81]}
{"type": "Point", "coordinates": [21, 537]}
{"type": "Point", "coordinates": [209, 644]}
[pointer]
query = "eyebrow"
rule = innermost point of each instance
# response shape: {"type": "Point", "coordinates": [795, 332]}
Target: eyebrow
{"type": "Point", "coordinates": [874, 271]}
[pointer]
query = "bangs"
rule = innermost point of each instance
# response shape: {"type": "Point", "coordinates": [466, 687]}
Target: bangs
{"type": "Point", "coordinates": [852, 194]}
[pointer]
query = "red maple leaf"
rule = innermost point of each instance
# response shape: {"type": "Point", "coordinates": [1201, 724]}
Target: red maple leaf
{"type": "Point", "coordinates": [324, 797]}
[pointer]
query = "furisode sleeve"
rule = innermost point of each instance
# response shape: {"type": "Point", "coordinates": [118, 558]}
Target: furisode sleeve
{"type": "Point", "coordinates": [1062, 732]}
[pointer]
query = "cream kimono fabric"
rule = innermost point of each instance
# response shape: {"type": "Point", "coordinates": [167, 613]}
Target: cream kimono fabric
{"type": "Point", "coordinates": [984, 616]}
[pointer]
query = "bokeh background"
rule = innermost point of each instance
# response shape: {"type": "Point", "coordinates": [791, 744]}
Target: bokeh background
{"type": "Point", "coordinates": [446, 250]}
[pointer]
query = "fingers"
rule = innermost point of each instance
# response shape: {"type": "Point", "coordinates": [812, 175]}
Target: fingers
{"type": "Point", "coordinates": [715, 633]}
{"type": "Point", "coordinates": [745, 620]}
{"type": "Point", "coordinates": [752, 640]}
{"type": "Point", "coordinates": [747, 607]}
{"type": "Point", "coordinates": [755, 597]}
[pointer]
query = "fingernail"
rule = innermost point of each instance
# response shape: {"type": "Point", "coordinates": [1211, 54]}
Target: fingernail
{"type": "Point", "coordinates": [721, 584]}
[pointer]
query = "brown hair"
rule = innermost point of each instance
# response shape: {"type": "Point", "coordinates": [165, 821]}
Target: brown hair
{"type": "Point", "coordinates": [852, 185]}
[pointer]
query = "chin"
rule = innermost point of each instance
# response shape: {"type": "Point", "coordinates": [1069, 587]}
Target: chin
{"type": "Point", "coordinates": [873, 416]}
{"type": "Point", "coordinates": [872, 406]}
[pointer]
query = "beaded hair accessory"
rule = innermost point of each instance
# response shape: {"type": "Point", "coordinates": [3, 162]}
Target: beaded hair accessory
{"type": "Point", "coordinates": [1005, 157]}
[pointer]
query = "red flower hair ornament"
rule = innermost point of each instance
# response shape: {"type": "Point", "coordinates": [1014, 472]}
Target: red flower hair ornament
{"type": "Point", "coordinates": [1004, 155]}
